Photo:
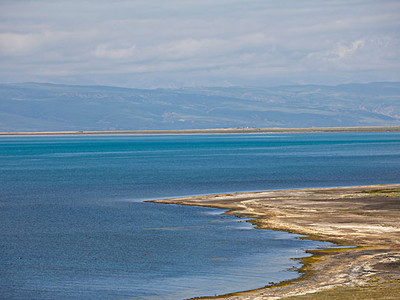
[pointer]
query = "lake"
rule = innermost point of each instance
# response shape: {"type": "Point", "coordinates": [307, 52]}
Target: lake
{"type": "Point", "coordinates": [74, 224]}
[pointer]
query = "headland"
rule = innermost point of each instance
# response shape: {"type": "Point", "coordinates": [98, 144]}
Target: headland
{"type": "Point", "coordinates": [364, 220]}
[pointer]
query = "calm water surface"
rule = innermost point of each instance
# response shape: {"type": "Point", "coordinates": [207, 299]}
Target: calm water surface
{"type": "Point", "coordinates": [72, 224]}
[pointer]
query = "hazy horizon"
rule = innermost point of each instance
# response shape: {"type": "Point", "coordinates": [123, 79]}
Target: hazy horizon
{"type": "Point", "coordinates": [196, 87]}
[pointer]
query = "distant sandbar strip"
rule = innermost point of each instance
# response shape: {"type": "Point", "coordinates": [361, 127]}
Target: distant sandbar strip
{"type": "Point", "coordinates": [217, 131]}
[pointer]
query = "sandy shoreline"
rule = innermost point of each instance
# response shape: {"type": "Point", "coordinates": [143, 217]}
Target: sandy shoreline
{"type": "Point", "coordinates": [364, 216]}
{"type": "Point", "coordinates": [216, 131]}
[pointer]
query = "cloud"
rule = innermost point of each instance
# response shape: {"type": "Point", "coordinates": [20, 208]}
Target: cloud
{"type": "Point", "coordinates": [377, 55]}
{"type": "Point", "coordinates": [214, 41]}
{"type": "Point", "coordinates": [107, 51]}
{"type": "Point", "coordinates": [339, 52]}
{"type": "Point", "coordinates": [18, 44]}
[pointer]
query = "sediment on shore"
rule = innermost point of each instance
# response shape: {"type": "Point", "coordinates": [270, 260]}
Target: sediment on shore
{"type": "Point", "coordinates": [365, 218]}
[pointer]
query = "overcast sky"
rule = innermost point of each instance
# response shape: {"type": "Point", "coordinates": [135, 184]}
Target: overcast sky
{"type": "Point", "coordinates": [175, 43]}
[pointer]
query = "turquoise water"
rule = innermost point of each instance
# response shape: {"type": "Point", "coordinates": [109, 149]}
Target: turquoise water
{"type": "Point", "coordinates": [72, 224]}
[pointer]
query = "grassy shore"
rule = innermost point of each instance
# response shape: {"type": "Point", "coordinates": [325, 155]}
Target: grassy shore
{"type": "Point", "coordinates": [365, 218]}
{"type": "Point", "coordinates": [217, 131]}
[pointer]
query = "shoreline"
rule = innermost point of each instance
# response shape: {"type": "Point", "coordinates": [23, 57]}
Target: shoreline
{"type": "Point", "coordinates": [364, 218]}
{"type": "Point", "coordinates": [213, 131]}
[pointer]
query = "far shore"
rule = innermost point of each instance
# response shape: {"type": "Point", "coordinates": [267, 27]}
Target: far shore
{"type": "Point", "coordinates": [215, 131]}
{"type": "Point", "coordinates": [365, 220]}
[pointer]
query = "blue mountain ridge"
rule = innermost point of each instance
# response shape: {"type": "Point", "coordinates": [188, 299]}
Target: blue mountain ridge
{"type": "Point", "coordinates": [56, 107]}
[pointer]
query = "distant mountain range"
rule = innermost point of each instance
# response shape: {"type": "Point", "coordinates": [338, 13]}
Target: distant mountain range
{"type": "Point", "coordinates": [51, 107]}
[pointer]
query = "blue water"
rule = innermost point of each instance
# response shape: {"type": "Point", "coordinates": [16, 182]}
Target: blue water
{"type": "Point", "coordinates": [72, 224]}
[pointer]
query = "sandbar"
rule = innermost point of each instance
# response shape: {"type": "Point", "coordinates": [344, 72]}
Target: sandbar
{"type": "Point", "coordinates": [237, 130]}
{"type": "Point", "coordinates": [364, 220]}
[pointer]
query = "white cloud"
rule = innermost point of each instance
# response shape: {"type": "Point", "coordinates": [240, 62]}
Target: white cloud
{"type": "Point", "coordinates": [198, 41]}
{"type": "Point", "coordinates": [106, 51]}
{"type": "Point", "coordinates": [18, 44]}
{"type": "Point", "coordinates": [339, 52]}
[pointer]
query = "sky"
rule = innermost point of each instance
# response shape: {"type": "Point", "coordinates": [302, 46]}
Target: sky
{"type": "Point", "coordinates": [184, 43]}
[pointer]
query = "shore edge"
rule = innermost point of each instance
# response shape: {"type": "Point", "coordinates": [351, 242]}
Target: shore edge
{"type": "Point", "coordinates": [293, 211]}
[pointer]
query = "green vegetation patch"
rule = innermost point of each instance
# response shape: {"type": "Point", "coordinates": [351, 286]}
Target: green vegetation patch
{"type": "Point", "coordinates": [385, 192]}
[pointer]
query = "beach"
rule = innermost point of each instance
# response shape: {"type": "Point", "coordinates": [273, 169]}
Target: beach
{"type": "Point", "coordinates": [363, 220]}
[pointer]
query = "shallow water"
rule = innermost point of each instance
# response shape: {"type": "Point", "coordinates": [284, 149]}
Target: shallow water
{"type": "Point", "coordinates": [73, 226]}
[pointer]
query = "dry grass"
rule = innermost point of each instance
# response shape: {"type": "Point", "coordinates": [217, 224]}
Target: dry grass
{"type": "Point", "coordinates": [386, 290]}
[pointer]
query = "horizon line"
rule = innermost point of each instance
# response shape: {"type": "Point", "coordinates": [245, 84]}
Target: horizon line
{"type": "Point", "coordinates": [213, 131]}
{"type": "Point", "coordinates": [199, 86]}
